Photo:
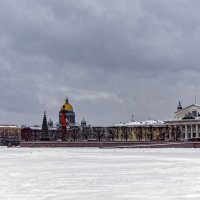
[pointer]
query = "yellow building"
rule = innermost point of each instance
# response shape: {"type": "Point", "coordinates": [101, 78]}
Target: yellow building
{"type": "Point", "coordinates": [10, 131]}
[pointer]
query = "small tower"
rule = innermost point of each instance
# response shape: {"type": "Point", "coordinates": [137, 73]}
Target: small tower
{"type": "Point", "coordinates": [45, 132]}
{"type": "Point", "coordinates": [179, 106]}
{"type": "Point", "coordinates": [83, 123]}
{"type": "Point", "coordinates": [50, 123]}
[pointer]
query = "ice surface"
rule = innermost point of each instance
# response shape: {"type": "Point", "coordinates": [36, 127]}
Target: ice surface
{"type": "Point", "coordinates": [99, 174]}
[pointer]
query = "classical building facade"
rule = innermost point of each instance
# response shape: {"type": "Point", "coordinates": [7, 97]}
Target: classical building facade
{"type": "Point", "coordinates": [189, 112]}
{"type": "Point", "coordinates": [140, 131]}
{"type": "Point", "coordinates": [10, 131]}
{"type": "Point", "coordinates": [186, 122]}
{"type": "Point", "coordinates": [185, 126]}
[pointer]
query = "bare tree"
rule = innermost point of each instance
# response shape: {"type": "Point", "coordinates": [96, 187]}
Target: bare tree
{"type": "Point", "coordinates": [139, 133]}
{"type": "Point", "coordinates": [117, 132]}
{"type": "Point", "coordinates": [111, 133]}
{"type": "Point", "coordinates": [151, 132]}
{"type": "Point", "coordinates": [125, 132]}
{"type": "Point", "coordinates": [167, 131]}
{"type": "Point", "coordinates": [74, 132]}
{"type": "Point", "coordinates": [86, 132]}
{"type": "Point", "coordinates": [99, 132]}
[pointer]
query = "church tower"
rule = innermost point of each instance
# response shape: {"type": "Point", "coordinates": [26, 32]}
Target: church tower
{"type": "Point", "coordinates": [66, 115]}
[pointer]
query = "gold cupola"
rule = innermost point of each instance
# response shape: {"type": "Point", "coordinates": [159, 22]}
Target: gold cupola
{"type": "Point", "coordinates": [67, 106]}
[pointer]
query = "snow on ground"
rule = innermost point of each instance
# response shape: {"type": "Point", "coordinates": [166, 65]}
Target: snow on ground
{"type": "Point", "coordinates": [99, 174]}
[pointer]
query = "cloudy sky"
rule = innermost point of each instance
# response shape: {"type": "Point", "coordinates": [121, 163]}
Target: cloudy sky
{"type": "Point", "coordinates": [111, 58]}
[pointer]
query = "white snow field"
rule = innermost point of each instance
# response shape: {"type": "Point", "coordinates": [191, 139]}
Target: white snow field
{"type": "Point", "coordinates": [99, 174]}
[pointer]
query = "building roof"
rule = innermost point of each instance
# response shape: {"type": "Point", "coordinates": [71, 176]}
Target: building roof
{"type": "Point", "coordinates": [142, 123]}
{"type": "Point", "coordinates": [8, 126]}
{"type": "Point", "coordinates": [197, 105]}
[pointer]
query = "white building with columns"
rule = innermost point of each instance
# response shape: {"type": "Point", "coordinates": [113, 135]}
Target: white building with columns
{"type": "Point", "coordinates": [186, 123]}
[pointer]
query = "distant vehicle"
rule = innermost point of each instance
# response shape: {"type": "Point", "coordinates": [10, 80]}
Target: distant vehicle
{"type": "Point", "coordinates": [12, 142]}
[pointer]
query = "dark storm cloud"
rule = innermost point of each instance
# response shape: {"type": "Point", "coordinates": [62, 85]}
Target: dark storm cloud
{"type": "Point", "coordinates": [112, 58]}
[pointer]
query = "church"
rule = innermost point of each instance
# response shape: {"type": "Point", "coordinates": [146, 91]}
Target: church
{"type": "Point", "coordinates": [67, 115]}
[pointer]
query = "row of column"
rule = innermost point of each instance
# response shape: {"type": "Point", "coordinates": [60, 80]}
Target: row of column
{"type": "Point", "coordinates": [191, 131]}
{"type": "Point", "coordinates": [188, 129]}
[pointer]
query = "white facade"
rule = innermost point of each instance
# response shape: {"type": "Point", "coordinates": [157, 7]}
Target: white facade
{"type": "Point", "coordinates": [192, 111]}
{"type": "Point", "coordinates": [187, 121]}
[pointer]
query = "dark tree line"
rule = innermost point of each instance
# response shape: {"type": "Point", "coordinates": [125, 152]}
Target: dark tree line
{"type": "Point", "coordinates": [88, 133]}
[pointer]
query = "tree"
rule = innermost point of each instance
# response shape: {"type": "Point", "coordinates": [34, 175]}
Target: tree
{"type": "Point", "coordinates": [150, 133]}
{"type": "Point", "coordinates": [111, 133]}
{"type": "Point", "coordinates": [99, 132]}
{"type": "Point", "coordinates": [86, 132]}
{"type": "Point", "coordinates": [117, 132]}
{"type": "Point", "coordinates": [139, 133]}
{"type": "Point", "coordinates": [178, 133]}
{"type": "Point", "coordinates": [162, 133]}
{"type": "Point", "coordinates": [45, 132]}
{"type": "Point", "coordinates": [125, 133]}
{"type": "Point", "coordinates": [167, 132]}
{"type": "Point", "coordinates": [74, 132]}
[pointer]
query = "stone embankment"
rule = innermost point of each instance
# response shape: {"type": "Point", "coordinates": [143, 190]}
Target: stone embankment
{"type": "Point", "coordinates": [113, 144]}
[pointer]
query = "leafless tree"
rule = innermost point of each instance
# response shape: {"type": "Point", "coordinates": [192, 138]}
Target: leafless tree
{"type": "Point", "coordinates": [74, 132]}
{"type": "Point", "coordinates": [111, 133]}
{"type": "Point", "coordinates": [99, 132]}
{"type": "Point", "coordinates": [125, 133]}
{"type": "Point", "coordinates": [139, 133]}
{"type": "Point", "coordinates": [86, 132]}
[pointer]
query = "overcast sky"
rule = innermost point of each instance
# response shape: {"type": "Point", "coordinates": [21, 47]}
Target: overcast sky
{"type": "Point", "coordinates": [111, 58]}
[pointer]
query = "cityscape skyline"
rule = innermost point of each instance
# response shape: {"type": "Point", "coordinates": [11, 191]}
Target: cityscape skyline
{"type": "Point", "coordinates": [112, 59]}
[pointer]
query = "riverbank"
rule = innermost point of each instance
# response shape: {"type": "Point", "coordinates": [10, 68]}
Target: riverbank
{"type": "Point", "coordinates": [113, 144]}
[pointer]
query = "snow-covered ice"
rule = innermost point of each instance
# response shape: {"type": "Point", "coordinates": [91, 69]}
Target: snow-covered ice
{"type": "Point", "coordinates": [99, 174]}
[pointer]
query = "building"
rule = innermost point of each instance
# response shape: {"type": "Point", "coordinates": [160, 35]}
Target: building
{"type": "Point", "coordinates": [67, 115]}
{"type": "Point", "coordinates": [140, 131]}
{"type": "Point", "coordinates": [185, 126]}
{"type": "Point", "coordinates": [10, 131]}
{"type": "Point", "coordinates": [189, 112]}
{"type": "Point", "coordinates": [34, 133]}
{"type": "Point", "coordinates": [186, 123]}
{"type": "Point", "coordinates": [83, 123]}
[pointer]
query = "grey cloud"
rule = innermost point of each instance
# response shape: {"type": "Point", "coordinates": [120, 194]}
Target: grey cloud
{"type": "Point", "coordinates": [112, 58]}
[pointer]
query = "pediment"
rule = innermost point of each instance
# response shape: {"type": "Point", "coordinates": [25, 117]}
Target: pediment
{"type": "Point", "coordinates": [189, 108]}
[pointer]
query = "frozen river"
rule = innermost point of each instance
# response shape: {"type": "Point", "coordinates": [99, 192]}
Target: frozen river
{"type": "Point", "coordinates": [99, 174]}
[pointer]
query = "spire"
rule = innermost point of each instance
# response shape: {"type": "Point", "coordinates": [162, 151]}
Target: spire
{"type": "Point", "coordinates": [179, 106]}
{"type": "Point", "coordinates": [44, 133]}
{"type": "Point", "coordinates": [132, 118]}
{"type": "Point", "coordinates": [67, 100]}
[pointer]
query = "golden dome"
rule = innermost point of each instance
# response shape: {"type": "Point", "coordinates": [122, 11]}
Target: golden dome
{"type": "Point", "coordinates": [67, 106]}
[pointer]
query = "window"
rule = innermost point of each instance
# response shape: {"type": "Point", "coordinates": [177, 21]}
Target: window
{"type": "Point", "coordinates": [194, 113]}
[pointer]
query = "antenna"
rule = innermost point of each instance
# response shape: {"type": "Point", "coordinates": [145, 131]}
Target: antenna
{"type": "Point", "coordinates": [195, 100]}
